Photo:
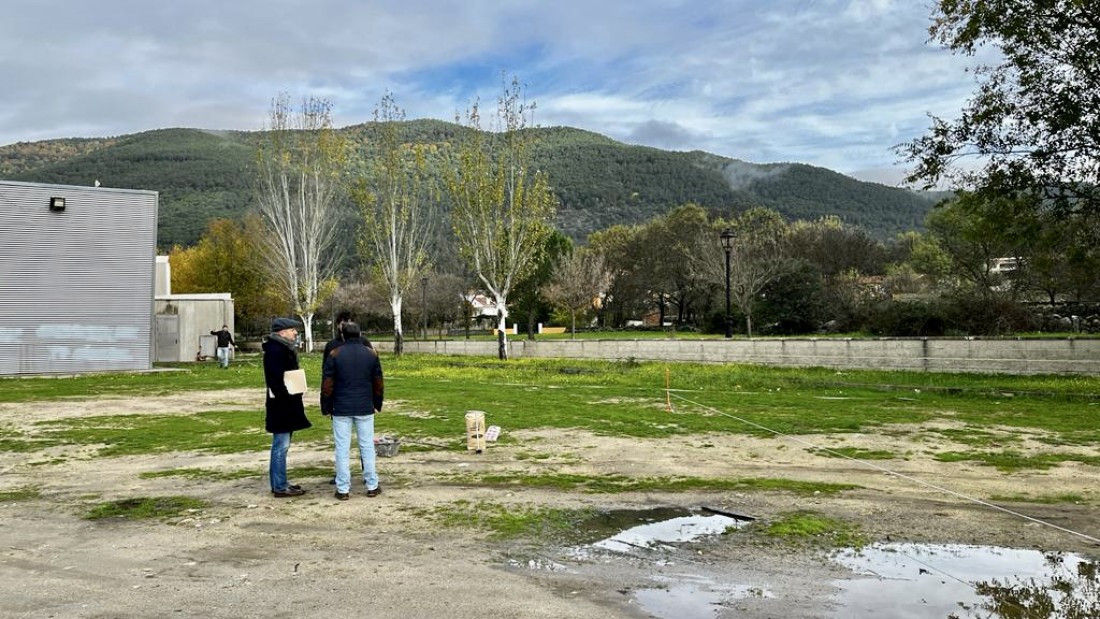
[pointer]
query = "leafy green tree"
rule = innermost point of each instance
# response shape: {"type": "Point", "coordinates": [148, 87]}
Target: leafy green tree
{"type": "Point", "coordinates": [758, 256]}
{"type": "Point", "coordinates": [1033, 126]}
{"type": "Point", "coordinates": [227, 259]}
{"type": "Point", "coordinates": [502, 207]}
{"type": "Point", "coordinates": [973, 233]}
{"type": "Point", "coordinates": [678, 242]}
{"type": "Point", "coordinates": [625, 296]}
{"type": "Point", "coordinates": [835, 247]}
{"type": "Point", "coordinates": [529, 298]}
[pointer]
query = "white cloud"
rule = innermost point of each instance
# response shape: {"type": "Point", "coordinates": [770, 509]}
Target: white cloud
{"type": "Point", "coordinates": [827, 82]}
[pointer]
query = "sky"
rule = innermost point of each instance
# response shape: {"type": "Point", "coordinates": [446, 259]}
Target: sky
{"type": "Point", "coordinates": [832, 83]}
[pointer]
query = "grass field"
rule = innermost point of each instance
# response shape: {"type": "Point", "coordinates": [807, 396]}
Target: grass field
{"type": "Point", "coordinates": [606, 398]}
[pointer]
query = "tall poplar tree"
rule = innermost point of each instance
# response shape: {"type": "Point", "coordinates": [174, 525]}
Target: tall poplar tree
{"type": "Point", "coordinates": [502, 208]}
{"type": "Point", "coordinates": [300, 164]}
{"type": "Point", "coordinates": [398, 211]}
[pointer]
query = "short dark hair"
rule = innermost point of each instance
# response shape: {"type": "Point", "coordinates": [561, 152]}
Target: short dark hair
{"type": "Point", "coordinates": [344, 317]}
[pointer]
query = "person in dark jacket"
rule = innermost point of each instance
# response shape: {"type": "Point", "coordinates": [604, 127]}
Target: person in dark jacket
{"type": "Point", "coordinates": [342, 319]}
{"type": "Point", "coordinates": [351, 392]}
{"type": "Point", "coordinates": [285, 412]}
{"type": "Point", "coordinates": [225, 344]}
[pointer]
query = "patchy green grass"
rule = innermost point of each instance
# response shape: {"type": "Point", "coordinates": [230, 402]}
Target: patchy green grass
{"type": "Point", "coordinates": [804, 526]}
{"type": "Point", "coordinates": [13, 441]}
{"type": "Point", "coordinates": [199, 474]}
{"type": "Point", "coordinates": [1043, 499]}
{"type": "Point", "coordinates": [510, 522]}
{"type": "Point", "coordinates": [621, 483]}
{"type": "Point", "coordinates": [127, 435]}
{"type": "Point", "coordinates": [143, 508]}
{"type": "Point", "coordinates": [856, 453]}
{"type": "Point", "coordinates": [1013, 461]}
{"type": "Point", "coordinates": [625, 398]}
{"type": "Point", "coordinates": [19, 494]}
{"type": "Point", "coordinates": [533, 455]}
{"type": "Point", "coordinates": [977, 438]}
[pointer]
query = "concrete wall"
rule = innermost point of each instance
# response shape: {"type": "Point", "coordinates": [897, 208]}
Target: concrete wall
{"type": "Point", "coordinates": [1003, 356]}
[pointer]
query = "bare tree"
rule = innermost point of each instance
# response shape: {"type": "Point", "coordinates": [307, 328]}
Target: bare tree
{"type": "Point", "coordinates": [579, 282]}
{"type": "Point", "coordinates": [758, 256]}
{"type": "Point", "coordinates": [300, 162]}
{"type": "Point", "coordinates": [502, 208]}
{"type": "Point", "coordinates": [397, 212]}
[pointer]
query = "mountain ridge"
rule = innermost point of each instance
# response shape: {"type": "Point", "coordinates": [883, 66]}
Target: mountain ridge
{"type": "Point", "coordinates": [202, 174]}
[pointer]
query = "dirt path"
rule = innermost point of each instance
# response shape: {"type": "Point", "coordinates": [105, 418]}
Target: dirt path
{"type": "Point", "coordinates": [251, 555]}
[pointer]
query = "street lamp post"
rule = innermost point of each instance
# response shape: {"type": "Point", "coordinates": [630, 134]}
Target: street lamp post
{"type": "Point", "coordinates": [424, 305]}
{"type": "Point", "coordinates": [727, 244]}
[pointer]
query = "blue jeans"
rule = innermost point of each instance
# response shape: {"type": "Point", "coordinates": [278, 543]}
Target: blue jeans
{"type": "Point", "coordinates": [341, 436]}
{"type": "Point", "coordinates": [223, 356]}
{"type": "Point", "coordinates": [276, 471]}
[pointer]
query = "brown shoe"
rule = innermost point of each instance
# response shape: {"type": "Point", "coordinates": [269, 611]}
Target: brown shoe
{"type": "Point", "coordinates": [282, 494]}
{"type": "Point", "coordinates": [343, 496]}
{"type": "Point", "coordinates": [377, 491]}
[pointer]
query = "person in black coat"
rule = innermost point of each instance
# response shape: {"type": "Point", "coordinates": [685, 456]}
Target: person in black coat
{"type": "Point", "coordinates": [286, 413]}
{"type": "Point", "coordinates": [351, 392]}
{"type": "Point", "coordinates": [225, 345]}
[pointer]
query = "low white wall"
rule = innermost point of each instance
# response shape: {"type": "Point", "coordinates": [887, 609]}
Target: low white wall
{"type": "Point", "coordinates": [997, 356]}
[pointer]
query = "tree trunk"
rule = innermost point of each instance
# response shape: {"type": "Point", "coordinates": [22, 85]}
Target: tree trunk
{"type": "Point", "coordinates": [573, 314]}
{"type": "Point", "coordinates": [531, 325]}
{"type": "Point", "coordinates": [502, 336]}
{"type": "Point", "coordinates": [307, 324]}
{"type": "Point", "coordinates": [748, 323]}
{"type": "Point", "coordinates": [398, 330]}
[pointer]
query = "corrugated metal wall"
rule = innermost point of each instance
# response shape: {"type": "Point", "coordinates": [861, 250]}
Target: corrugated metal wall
{"type": "Point", "coordinates": [76, 286]}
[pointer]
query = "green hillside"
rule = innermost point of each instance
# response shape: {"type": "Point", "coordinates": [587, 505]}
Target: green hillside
{"type": "Point", "coordinates": [206, 174]}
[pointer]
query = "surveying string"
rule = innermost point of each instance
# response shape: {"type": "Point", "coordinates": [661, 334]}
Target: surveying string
{"type": "Point", "coordinates": [889, 472]}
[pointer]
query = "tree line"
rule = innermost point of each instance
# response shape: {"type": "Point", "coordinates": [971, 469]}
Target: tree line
{"type": "Point", "coordinates": [1019, 231]}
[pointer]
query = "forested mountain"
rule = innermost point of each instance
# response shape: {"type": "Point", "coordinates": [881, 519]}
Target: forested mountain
{"type": "Point", "coordinates": [206, 174]}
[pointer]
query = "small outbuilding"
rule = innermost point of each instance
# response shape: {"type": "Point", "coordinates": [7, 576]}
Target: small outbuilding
{"type": "Point", "coordinates": [76, 278]}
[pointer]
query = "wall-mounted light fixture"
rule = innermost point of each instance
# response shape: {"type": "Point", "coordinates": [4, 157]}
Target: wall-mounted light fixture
{"type": "Point", "coordinates": [57, 204]}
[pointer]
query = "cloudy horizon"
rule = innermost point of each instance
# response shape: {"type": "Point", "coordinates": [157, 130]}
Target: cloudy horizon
{"type": "Point", "coordinates": [832, 83]}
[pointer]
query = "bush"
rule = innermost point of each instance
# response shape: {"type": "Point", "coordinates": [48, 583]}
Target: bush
{"type": "Point", "coordinates": [907, 319]}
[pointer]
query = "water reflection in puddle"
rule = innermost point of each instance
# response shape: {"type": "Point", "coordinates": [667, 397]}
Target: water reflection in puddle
{"type": "Point", "coordinates": [922, 580]}
{"type": "Point", "coordinates": [693, 597]}
{"type": "Point", "coordinates": [674, 530]}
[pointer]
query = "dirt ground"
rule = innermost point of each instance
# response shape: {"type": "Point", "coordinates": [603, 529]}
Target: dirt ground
{"type": "Point", "coordinates": [251, 555]}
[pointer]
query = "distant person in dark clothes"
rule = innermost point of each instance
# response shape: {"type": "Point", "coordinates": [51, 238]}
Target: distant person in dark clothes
{"type": "Point", "coordinates": [225, 344]}
{"type": "Point", "coordinates": [341, 319]}
{"type": "Point", "coordinates": [285, 411]}
{"type": "Point", "coordinates": [351, 391]}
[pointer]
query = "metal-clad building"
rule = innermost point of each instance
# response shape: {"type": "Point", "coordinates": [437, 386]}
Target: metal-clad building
{"type": "Point", "coordinates": [76, 278]}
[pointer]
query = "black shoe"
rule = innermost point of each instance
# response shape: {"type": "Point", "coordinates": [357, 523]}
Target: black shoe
{"type": "Point", "coordinates": [294, 487]}
{"type": "Point", "coordinates": [282, 494]}
{"type": "Point", "coordinates": [343, 496]}
{"type": "Point", "coordinates": [377, 491]}
{"type": "Point", "coordinates": [332, 482]}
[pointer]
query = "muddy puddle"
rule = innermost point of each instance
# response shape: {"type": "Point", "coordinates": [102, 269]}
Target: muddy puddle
{"type": "Point", "coordinates": [662, 548]}
{"type": "Point", "coordinates": [934, 580]}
